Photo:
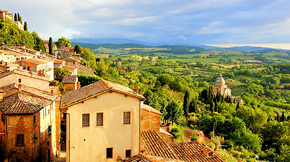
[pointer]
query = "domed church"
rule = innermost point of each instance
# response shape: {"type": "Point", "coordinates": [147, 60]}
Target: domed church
{"type": "Point", "coordinates": [221, 87]}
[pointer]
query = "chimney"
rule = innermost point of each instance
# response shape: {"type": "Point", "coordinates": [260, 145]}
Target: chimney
{"type": "Point", "coordinates": [199, 137]}
{"type": "Point", "coordinates": [135, 89]}
{"type": "Point", "coordinates": [19, 86]}
{"type": "Point", "coordinates": [78, 85]}
{"type": "Point", "coordinates": [52, 92]}
{"type": "Point", "coordinates": [1, 94]}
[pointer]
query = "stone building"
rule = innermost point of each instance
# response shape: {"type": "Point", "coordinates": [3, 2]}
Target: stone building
{"type": "Point", "coordinates": [28, 121]}
{"type": "Point", "coordinates": [102, 122]}
{"type": "Point", "coordinates": [221, 87]}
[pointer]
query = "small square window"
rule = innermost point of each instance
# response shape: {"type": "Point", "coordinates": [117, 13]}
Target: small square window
{"type": "Point", "coordinates": [86, 120]}
{"type": "Point", "coordinates": [99, 119]}
{"type": "Point", "coordinates": [109, 153]}
{"type": "Point", "coordinates": [20, 140]}
{"type": "Point", "coordinates": [126, 118]}
{"type": "Point", "coordinates": [128, 153]}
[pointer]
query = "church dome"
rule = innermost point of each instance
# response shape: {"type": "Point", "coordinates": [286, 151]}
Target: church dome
{"type": "Point", "coordinates": [220, 79]}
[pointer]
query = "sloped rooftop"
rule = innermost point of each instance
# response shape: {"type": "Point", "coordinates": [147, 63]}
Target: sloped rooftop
{"type": "Point", "coordinates": [94, 89]}
{"type": "Point", "coordinates": [72, 79]}
{"type": "Point", "coordinates": [192, 151]}
{"type": "Point", "coordinates": [155, 145]}
{"type": "Point", "coordinates": [149, 108]}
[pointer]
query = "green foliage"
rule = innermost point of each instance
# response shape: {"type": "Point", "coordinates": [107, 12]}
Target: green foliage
{"type": "Point", "coordinates": [78, 48]}
{"type": "Point", "coordinates": [63, 42]}
{"type": "Point", "coordinates": [174, 112]}
{"type": "Point", "coordinates": [87, 79]}
{"type": "Point", "coordinates": [178, 132]}
{"type": "Point", "coordinates": [186, 103]}
{"type": "Point", "coordinates": [25, 26]}
{"type": "Point", "coordinates": [50, 46]}
{"type": "Point", "coordinates": [38, 43]}
{"type": "Point", "coordinates": [60, 73]}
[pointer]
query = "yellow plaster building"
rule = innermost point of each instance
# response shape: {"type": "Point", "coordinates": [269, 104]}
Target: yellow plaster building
{"type": "Point", "coordinates": [103, 122]}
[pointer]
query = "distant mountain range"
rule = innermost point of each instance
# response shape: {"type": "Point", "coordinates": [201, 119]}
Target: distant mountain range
{"type": "Point", "coordinates": [95, 43]}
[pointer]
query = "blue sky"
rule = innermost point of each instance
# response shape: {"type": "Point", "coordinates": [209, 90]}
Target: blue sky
{"type": "Point", "coordinates": [159, 21]}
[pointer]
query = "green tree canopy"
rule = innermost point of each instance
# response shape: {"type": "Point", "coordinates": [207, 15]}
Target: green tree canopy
{"type": "Point", "coordinates": [63, 42]}
{"type": "Point", "coordinates": [78, 48]}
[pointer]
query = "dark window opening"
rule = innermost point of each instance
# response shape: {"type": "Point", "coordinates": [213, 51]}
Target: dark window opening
{"type": "Point", "coordinates": [20, 140]}
{"type": "Point", "coordinates": [86, 120]}
{"type": "Point", "coordinates": [99, 119]}
{"type": "Point", "coordinates": [19, 80]}
{"type": "Point", "coordinates": [126, 118]}
{"type": "Point", "coordinates": [109, 153]}
{"type": "Point", "coordinates": [128, 153]}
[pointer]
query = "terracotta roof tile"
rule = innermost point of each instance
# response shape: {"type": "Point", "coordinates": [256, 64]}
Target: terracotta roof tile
{"type": "Point", "coordinates": [148, 158]}
{"type": "Point", "coordinates": [25, 100]}
{"type": "Point", "coordinates": [193, 151]}
{"type": "Point", "coordinates": [72, 79]}
{"type": "Point", "coordinates": [155, 145]}
{"type": "Point", "coordinates": [149, 108]}
{"type": "Point", "coordinates": [93, 90]}
{"type": "Point", "coordinates": [70, 60]}
{"type": "Point", "coordinates": [22, 104]}
{"type": "Point", "coordinates": [25, 73]}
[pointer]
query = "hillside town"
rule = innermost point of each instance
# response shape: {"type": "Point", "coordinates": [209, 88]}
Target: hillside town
{"type": "Point", "coordinates": [103, 121]}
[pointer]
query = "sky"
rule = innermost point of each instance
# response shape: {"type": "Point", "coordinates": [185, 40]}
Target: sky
{"type": "Point", "coordinates": [159, 21]}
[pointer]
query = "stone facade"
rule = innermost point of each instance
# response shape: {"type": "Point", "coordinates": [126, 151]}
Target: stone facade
{"type": "Point", "coordinates": [221, 87]}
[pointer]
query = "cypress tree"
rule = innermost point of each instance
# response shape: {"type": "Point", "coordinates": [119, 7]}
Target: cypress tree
{"type": "Point", "coordinates": [25, 26]}
{"type": "Point", "coordinates": [238, 106]}
{"type": "Point", "coordinates": [50, 46]}
{"type": "Point", "coordinates": [78, 48]}
{"type": "Point", "coordinates": [15, 17]}
{"type": "Point", "coordinates": [193, 107]}
{"type": "Point", "coordinates": [186, 103]}
{"type": "Point", "coordinates": [282, 117]}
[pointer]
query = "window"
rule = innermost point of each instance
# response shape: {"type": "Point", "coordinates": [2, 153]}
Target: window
{"type": "Point", "coordinates": [109, 153]}
{"type": "Point", "coordinates": [19, 80]}
{"type": "Point", "coordinates": [99, 119]}
{"type": "Point", "coordinates": [34, 119]}
{"type": "Point", "coordinates": [20, 140]}
{"type": "Point", "coordinates": [86, 120]}
{"type": "Point", "coordinates": [128, 153]}
{"type": "Point", "coordinates": [126, 118]}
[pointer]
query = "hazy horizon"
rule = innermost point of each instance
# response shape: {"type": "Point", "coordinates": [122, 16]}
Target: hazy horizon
{"type": "Point", "coordinates": [284, 46]}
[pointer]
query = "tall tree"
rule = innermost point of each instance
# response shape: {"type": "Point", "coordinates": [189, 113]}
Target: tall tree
{"type": "Point", "coordinates": [174, 111]}
{"type": "Point", "coordinates": [186, 102]}
{"type": "Point", "coordinates": [50, 46]}
{"type": "Point", "coordinates": [19, 18]}
{"type": "Point", "coordinates": [25, 26]}
{"type": "Point", "coordinates": [15, 17]}
{"type": "Point", "coordinates": [78, 48]}
{"type": "Point", "coordinates": [38, 43]}
{"type": "Point", "coordinates": [193, 107]}
{"type": "Point", "coordinates": [63, 42]}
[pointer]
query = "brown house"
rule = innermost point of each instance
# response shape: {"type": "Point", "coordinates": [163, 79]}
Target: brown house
{"type": "Point", "coordinates": [70, 83]}
{"type": "Point", "coordinates": [28, 123]}
{"type": "Point", "coordinates": [150, 120]}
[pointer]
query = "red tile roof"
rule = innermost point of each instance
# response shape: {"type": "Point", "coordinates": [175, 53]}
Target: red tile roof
{"type": "Point", "coordinates": [193, 151]}
{"type": "Point", "coordinates": [149, 108]}
{"type": "Point", "coordinates": [147, 158]}
{"type": "Point", "coordinates": [72, 79]}
{"type": "Point", "coordinates": [155, 145]}
{"type": "Point", "coordinates": [95, 89]}
{"type": "Point", "coordinates": [24, 100]}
